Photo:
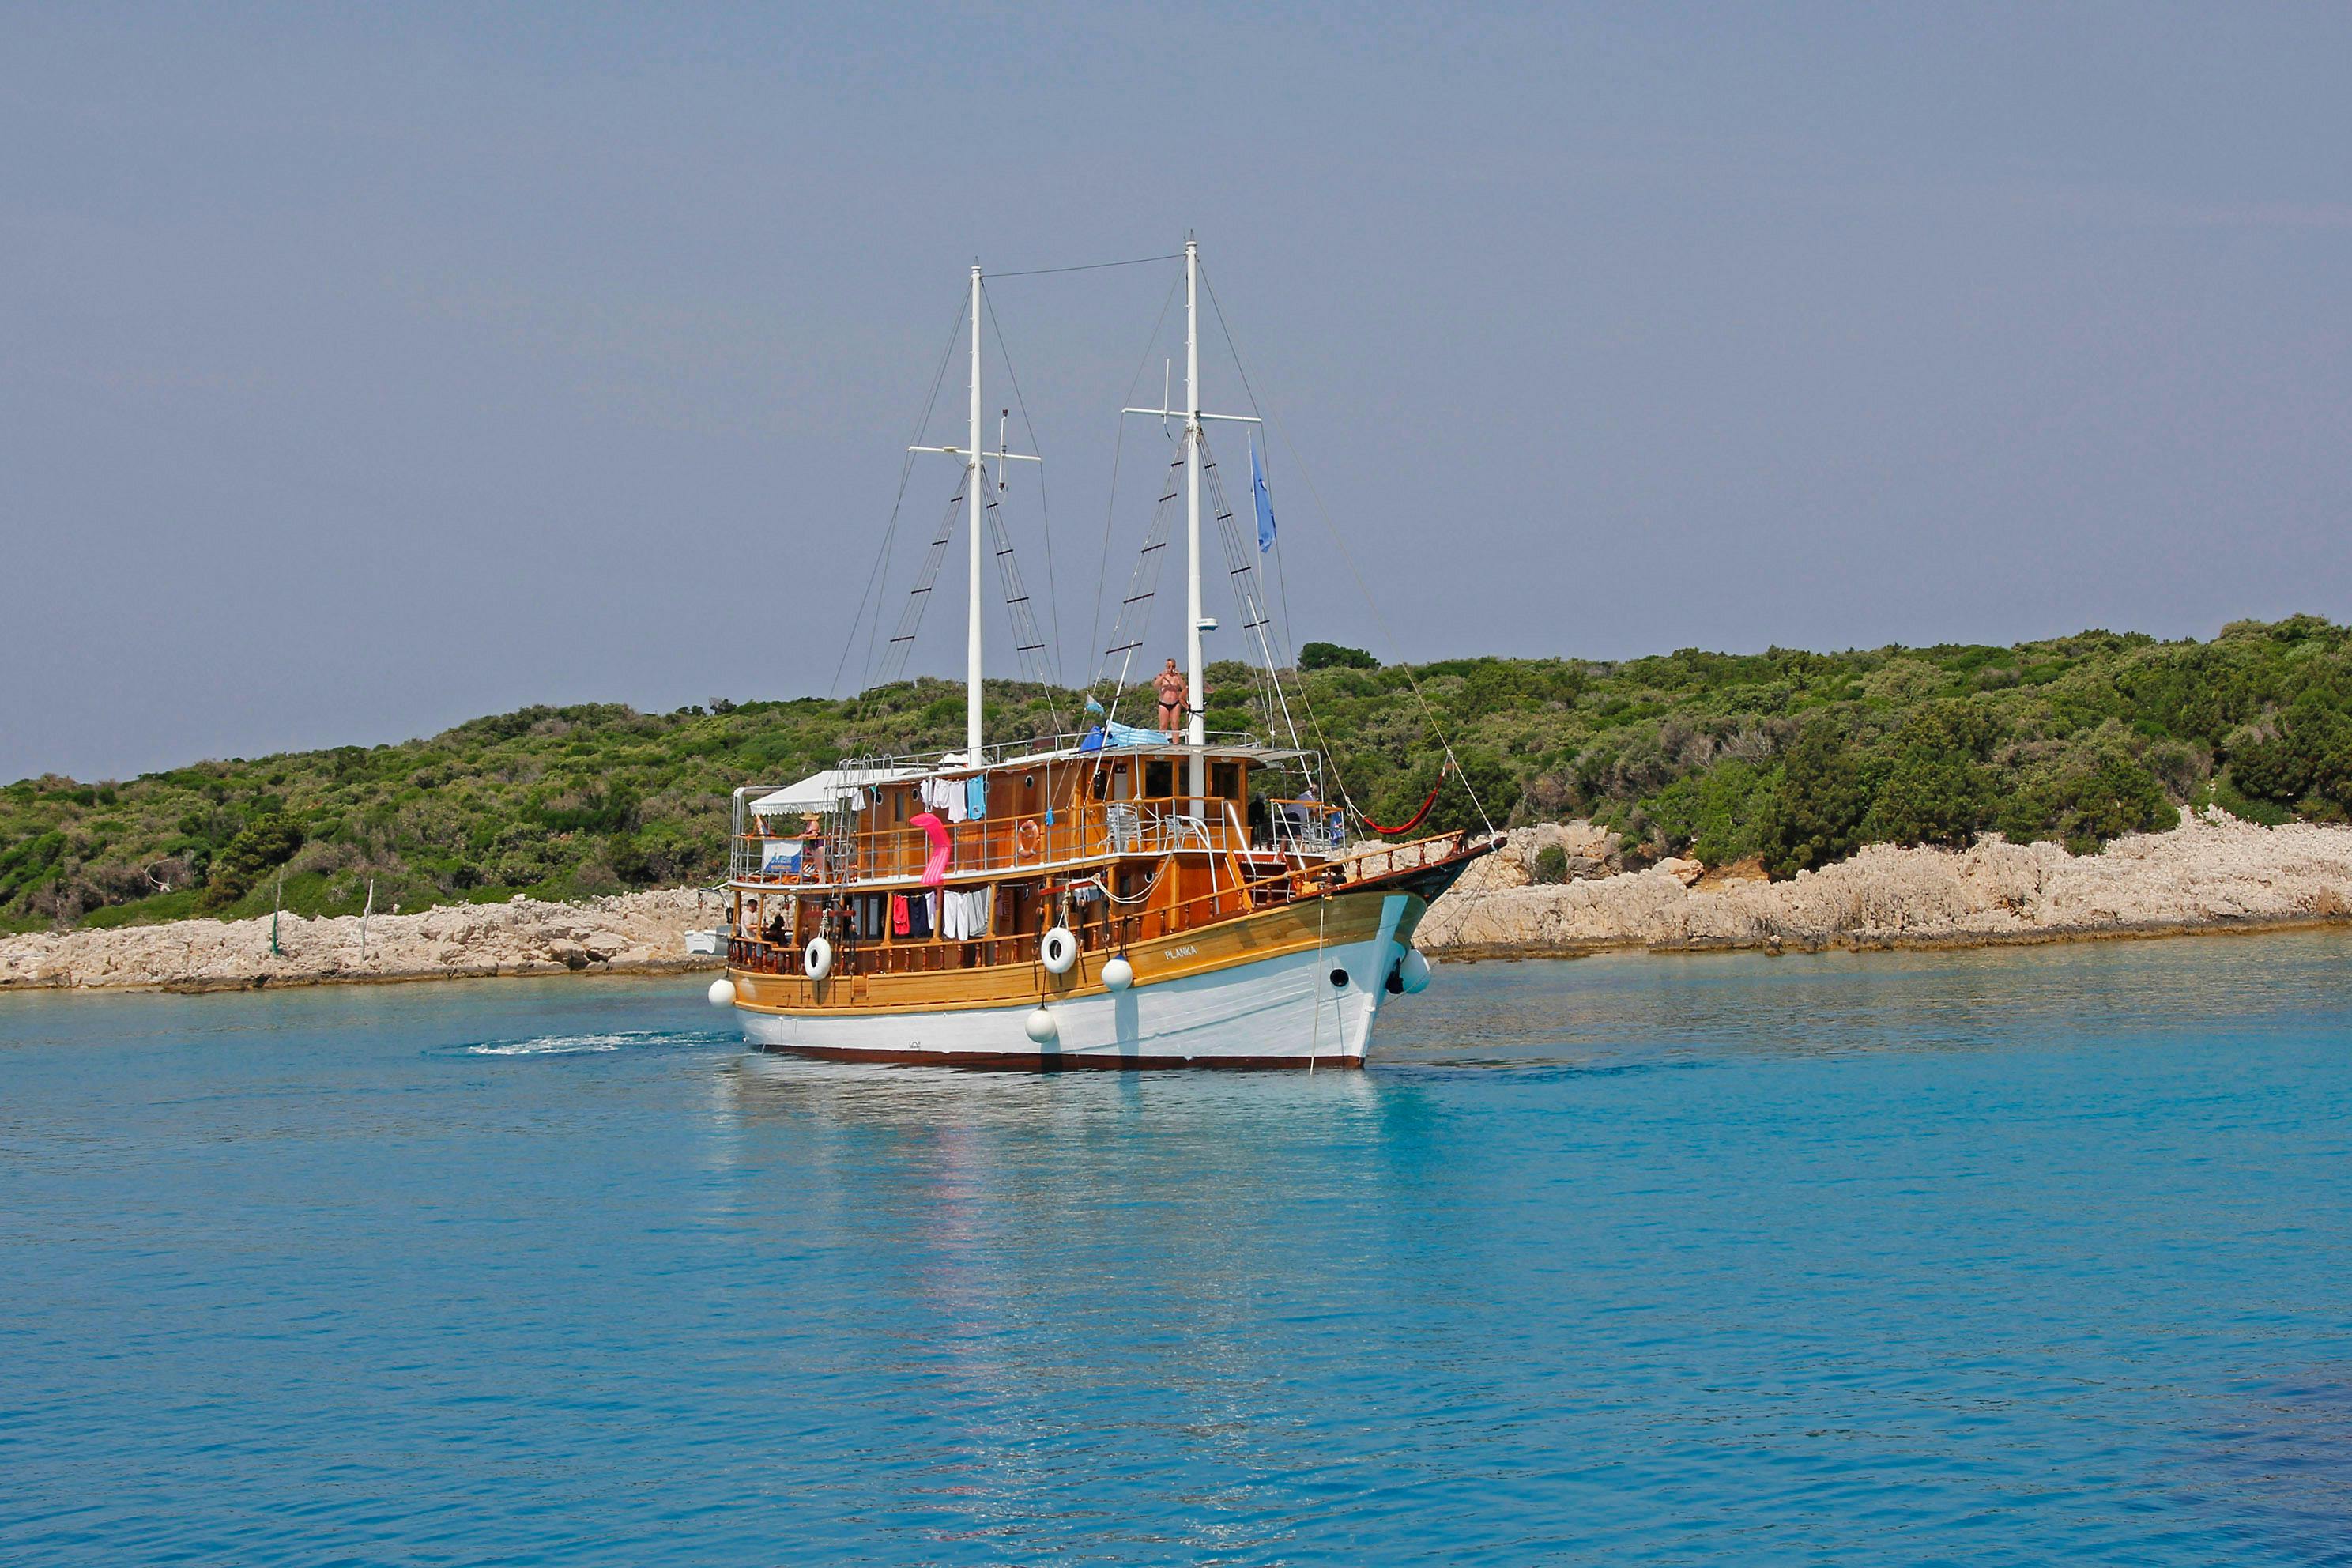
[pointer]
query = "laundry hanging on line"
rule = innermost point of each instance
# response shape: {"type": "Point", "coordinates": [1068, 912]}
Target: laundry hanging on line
{"type": "Point", "coordinates": [949, 797]}
{"type": "Point", "coordinates": [963, 915]}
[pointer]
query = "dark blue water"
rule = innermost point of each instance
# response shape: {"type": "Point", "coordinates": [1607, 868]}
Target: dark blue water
{"type": "Point", "coordinates": [1985, 1257]}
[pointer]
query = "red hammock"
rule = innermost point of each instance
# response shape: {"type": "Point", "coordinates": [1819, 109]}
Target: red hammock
{"type": "Point", "coordinates": [1418, 816]}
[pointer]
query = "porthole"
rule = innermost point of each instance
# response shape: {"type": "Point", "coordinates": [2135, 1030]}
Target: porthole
{"type": "Point", "coordinates": [1338, 977]}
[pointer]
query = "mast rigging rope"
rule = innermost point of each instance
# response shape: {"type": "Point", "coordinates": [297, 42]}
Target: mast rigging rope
{"type": "Point", "coordinates": [1428, 715]}
{"type": "Point", "coordinates": [882, 554]}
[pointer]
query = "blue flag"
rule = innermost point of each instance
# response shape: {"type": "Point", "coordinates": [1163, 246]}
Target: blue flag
{"type": "Point", "coordinates": [1264, 502]}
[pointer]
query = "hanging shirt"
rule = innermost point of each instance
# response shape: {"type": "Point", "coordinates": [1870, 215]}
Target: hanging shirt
{"type": "Point", "coordinates": [975, 792]}
{"type": "Point", "coordinates": [963, 915]}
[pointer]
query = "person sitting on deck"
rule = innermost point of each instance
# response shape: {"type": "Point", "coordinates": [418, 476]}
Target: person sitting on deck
{"type": "Point", "coordinates": [1170, 687]}
{"type": "Point", "coordinates": [775, 933]}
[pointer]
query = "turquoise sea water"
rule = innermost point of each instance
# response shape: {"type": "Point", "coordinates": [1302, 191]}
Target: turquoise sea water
{"type": "Point", "coordinates": [1981, 1258]}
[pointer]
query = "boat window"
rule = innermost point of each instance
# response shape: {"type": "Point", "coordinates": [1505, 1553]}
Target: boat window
{"type": "Point", "coordinates": [1158, 779]}
{"type": "Point", "coordinates": [1225, 780]}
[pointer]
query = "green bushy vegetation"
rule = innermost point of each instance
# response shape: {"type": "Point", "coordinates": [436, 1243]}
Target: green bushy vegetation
{"type": "Point", "coordinates": [1334, 655]}
{"type": "Point", "coordinates": [1793, 758]}
{"type": "Point", "coordinates": [1797, 759]}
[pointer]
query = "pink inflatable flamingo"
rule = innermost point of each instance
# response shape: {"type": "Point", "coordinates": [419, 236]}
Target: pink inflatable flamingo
{"type": "Point", "coordinates": [934, 871]}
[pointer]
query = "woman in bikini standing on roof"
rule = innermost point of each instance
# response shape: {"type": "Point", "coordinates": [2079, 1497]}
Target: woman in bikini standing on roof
{"type": "Point", "coordinates": [1170, 687]}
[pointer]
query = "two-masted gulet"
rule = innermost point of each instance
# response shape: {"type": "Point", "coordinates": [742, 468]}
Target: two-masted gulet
{"type": "Point", "coordinates": [1124, 896]}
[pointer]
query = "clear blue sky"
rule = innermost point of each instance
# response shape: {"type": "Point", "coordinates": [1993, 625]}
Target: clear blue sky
{"type": "Point", "coordinates": [366, 368]}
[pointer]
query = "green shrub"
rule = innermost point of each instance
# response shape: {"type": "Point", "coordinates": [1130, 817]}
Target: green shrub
{"type": "Point", "coordinates": [1331, 656]}
{"type": "Point", "coordinates": [1814, 814]}
{"type": "Point", "coordinates": [2087, 800]}
{"type": "Point", "coordinates": [2308, 751]}
{"type": "Point", "coordinates": [1719, 814]}
{"type": "Point", "coordinates": [269, 841]}
{"type": "Point", "coordinates": [1935, 792]}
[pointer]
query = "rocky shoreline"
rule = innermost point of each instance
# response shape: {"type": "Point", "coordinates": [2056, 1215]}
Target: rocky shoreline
{"type": "Point", "coordinates": [2214, 873]}
{"type": "Point", "coordinates": [634, 933]}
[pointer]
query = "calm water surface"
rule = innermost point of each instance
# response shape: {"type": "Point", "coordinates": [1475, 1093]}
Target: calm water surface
{"type": "Point", "coordinates": [1980, 1257]}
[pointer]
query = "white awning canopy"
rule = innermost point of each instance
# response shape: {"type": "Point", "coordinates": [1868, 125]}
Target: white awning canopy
{"type": "Point", "coordinates": [820, 791]}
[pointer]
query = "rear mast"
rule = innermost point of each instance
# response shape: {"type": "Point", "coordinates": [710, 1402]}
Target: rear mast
{"type": "Point", "coordinates": [1196, 729]}
{"type": "Point", "coordinates": [1196, 726]}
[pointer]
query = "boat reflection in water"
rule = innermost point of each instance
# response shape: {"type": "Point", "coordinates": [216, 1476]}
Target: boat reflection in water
{"type": "Point", "coordinates": [1027, 1248]}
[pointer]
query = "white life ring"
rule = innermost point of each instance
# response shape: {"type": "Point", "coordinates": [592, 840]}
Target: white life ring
{"type": "Point", "coordinates": [818, 960]}
{"type": "Point", "coordinates": [1059, 951]}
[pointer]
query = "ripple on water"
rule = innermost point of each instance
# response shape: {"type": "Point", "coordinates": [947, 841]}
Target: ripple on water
{"type": "Point", "coordinates": [589, 1044]}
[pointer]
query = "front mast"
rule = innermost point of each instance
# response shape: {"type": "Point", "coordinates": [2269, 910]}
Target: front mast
{"type": "Point", "coordinates": [974, 475]}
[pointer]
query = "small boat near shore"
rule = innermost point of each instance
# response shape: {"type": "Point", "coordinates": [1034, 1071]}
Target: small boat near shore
{"type": "Point", "coordinates": [1115, 896]}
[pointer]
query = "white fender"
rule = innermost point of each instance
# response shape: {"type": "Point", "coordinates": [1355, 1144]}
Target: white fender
{"type": "Point", "coordinates": [722, 993]}
{"type": "Point", "coordinates": [1059, 951]}
{"type": "Point", "coordinates": [818, 958]}
{"type": "Point", "coordinates": [1414, 970]}
{"type": "Point", "coordinates": [1117, 974]}
{"type": "Point", "coordinates": [1042, 1029]}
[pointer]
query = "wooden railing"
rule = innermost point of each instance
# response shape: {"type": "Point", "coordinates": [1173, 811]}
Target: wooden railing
{"type": "Point", "coordinates": [1105, 926]}
{"type": "Point", "coordinates": [1092, 830]}
{"type": "Point", "coordinates": [1100, 926]}
{"type": "Point", "coordinates": [1384, 859]}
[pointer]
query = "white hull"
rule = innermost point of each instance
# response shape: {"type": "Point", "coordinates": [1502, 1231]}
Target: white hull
{"type": "Point", "coordinates": [1283, 1011]}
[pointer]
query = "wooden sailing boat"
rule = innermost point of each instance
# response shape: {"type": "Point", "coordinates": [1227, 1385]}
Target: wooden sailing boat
{"type": "Point", "coordinates": [1118, 897]}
